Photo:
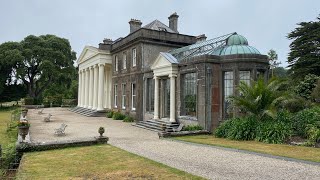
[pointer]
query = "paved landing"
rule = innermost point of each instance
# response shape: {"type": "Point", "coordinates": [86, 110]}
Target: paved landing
{"type": "Point", "coordinates": [205, 161]}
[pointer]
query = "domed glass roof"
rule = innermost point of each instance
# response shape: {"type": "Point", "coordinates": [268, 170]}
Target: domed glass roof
{"type": "Point", "coordinates": [236, 39]}
{"type": "Point", "coordinates": [235, 49]}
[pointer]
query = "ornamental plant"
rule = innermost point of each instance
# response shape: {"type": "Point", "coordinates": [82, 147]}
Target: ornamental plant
{"type": "Point", "coordinates": [23, 124]}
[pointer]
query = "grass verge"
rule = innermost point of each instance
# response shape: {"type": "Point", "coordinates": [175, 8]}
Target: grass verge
{"type": "Point", "coordinates": [297, 152]}
{"type": "Point", "coordinates": [94, 162]}
{"type": "Point", "coordinates": [6, 137]}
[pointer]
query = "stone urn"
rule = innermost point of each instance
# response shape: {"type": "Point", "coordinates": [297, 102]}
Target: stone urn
{"type": "Point", "coordinates": [101, 131]}
{"type": "Point", "coordinates": [23, 131]}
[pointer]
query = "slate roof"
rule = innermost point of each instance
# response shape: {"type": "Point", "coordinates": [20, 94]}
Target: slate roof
{"type": "Point", "coordinates": [169, 57]}
{"type": "Point", "coordinates": [159, 26]}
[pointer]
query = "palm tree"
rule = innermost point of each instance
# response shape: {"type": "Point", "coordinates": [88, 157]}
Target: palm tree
{"type": "Point", "coordinates": [260, 98]}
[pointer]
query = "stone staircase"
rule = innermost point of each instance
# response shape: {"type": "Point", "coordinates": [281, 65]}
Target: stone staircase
{"type": "Point", "coordinates": [157, 125]}
{"type": "Point", "coordinates": [87, 112]}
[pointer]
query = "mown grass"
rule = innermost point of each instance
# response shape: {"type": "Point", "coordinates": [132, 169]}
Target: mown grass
{"type": "Point", "coordinates": [94, 162]}
{"type": "Point", "coordinates": [6, 137]}
{"type": "Point", "coordinates": [297, 152]}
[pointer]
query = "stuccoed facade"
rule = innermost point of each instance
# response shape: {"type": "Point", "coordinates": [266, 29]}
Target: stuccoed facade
{"type": "Point", "coordinates": [157, 73]}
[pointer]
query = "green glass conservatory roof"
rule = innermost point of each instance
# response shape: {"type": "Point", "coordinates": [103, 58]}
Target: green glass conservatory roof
{"type": "Point", "coordinates": [228, 44]}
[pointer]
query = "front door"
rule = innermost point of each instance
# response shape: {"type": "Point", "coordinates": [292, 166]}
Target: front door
{"type": "Point", "coordinates": [164, 97]}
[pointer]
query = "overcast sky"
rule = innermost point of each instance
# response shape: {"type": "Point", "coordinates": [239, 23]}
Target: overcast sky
{"type": "Point", "coordinates": [87, 22]}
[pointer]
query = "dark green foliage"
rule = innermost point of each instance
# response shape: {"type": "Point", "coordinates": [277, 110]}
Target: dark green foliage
{"type": "Point", "coordinates": [260, 98]}
{"type": "Point", "coordinates": [304, 49]}
{"type": "Point", "coordinates": [192, 128]}
{"type": "Point", "coordinates": [243, 128]}
{"type": "Point", "coordinates": [280, 72]}
{"type": "Point", "coordinates": [28, 101]}
{"type": "Point", "coordinates": [109, 114]}
{"type": "Point", "coordinates": [248, 128]}
{"type": "Point", "coordinates": [8, 155]}
{"type": "Point", "coordinates": [13, 92]}
{"type": "Point", "coordinates": [302, 119]}
{"type": "Point", "coordinates": [305, 87]}
{"type": "Point", "coordinates": [40, 62]}
{"type": "Point", "coordinates": [118, 116]}
{"type": "Point", "coordinates": [275, 131]}
{"type": "Point", "coordinates": [315, 95]}
{"type": "Point", "coordinates": [128, 119]}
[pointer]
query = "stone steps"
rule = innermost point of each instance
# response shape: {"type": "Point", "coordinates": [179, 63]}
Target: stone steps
{"type": "Point", "coordinates": [87, 112]}
{"type": "Point", "coordinates": [157, 125]}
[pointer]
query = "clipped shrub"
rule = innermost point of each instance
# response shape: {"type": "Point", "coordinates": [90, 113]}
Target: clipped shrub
{"type": "Point", "coordinates": [302, 119]}
{"type": "Point", "coordinates": [28, 101]}
{"type": "Point", "coordinates": [192, 128]}
{"type": "Point", "coordinates": [118, 116]}
{"type": "Point", "coordinates": [8, 155]}
{"type": "Point", "coordinates": [128, 119]}
{"type": "Point", "coordinates": [109, 114]}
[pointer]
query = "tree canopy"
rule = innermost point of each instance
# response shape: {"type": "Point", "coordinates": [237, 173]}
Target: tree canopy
{"type": "Point", "coordinates": [304, 56]}
{"type": "Point", "coordinates": [39, 61]}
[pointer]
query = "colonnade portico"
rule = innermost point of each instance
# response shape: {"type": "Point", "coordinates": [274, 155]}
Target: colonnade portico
{"type": "Point", "coordinates": [91, 87]}
{"type": "Point", "coordinates": [172, 97]}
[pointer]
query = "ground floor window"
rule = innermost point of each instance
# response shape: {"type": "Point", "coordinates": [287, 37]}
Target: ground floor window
{"type": "Point", "coordinates": [123, 97]}
{"type": "Point", "coordinates": [228, 91]}
{"type": "Point", "coordinates": [189, 99]}
{"type": "Point", "coordinates": [150, 95]}
{"type": "Point", "coordinates": [244, 76]}
{"type": "Point", "coordinates": [115, 89]}
{"type": "Point", "coordinates": [133, 96]}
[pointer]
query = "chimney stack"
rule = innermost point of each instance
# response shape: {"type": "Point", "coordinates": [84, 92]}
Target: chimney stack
{"type": "Point", "coordinates": [106, 44]}
{"type": "Point", "coordinates": [134, 25]}
{"type": "Point", "coordinates": [201, 38]}
{"type": "Point", "coordinates": [173, 22]}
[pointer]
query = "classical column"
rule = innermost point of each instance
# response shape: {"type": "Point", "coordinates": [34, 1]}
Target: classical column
{"type": "Point", "coordinates": [86, 89]}
{"type": "Point", "coordinates": [90, 87]}
{"type": "Point", "coordinates": [101, 87]}
{"type": "Point", "coordinates": [79, 89]}
{"type": "Point", "coordinates": [82, 87]}
{"type": "Point", "coordinates": [156, 97]}
{"type": "Point", "coordinates": [172, 98]}
{"type": "Point", "coordinates": [95, 87]}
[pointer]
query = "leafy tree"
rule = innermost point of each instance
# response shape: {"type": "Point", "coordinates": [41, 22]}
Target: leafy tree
{"type": "Point", "coordinates": [280, 72]}
{"type": "Point", "coordinates": [305, 87]}
{"type": "Point", "coordinates": [259, 98]}
{"type": "Point", "coordinates": [42, 61]}
{"type": "Point", "coordinates": [304, 56]}
{"type": "Point", "coordinates": [273, 57]}
{"type": "Point", "coordinates": [10, 53]}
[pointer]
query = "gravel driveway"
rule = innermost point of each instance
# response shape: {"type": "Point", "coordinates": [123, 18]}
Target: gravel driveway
{"type": "Point", "coordinates": [206, 161]}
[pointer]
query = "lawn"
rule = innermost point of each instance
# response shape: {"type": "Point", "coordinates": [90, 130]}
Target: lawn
{"type": "Point", "coordinates": [5, 137]}
{"type": "Point", "coordinates": [94, 162]}
{"type": "Point", "coordinates": [297, 152]}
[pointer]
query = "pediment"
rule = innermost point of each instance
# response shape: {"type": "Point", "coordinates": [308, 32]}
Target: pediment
{"type": "Point", "coordinates": [164, 60]}
{"type": "Point", "coordinates": [87, 53]}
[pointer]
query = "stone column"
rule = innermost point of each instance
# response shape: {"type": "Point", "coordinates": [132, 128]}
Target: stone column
{"type": "Point", "coordinates": [82, 87]}
{"type": "Point", "coordinates": [86, 89]}
{"type": "Point", "coordinates": [79, 89]}
{"type": "Point", "coordinates": [101, 87]}
{"type": "Point", "coordinates": [90, 88]}
{"type": "Point", "coordinates": [95, 87]}
{"type": "Point", "coordinates": [172, 98]}
{"type": "Point", "coordinates": [156, 97]}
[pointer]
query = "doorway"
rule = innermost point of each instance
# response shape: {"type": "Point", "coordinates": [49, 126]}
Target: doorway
{"type": "Point", "coordinates": [164, 97]}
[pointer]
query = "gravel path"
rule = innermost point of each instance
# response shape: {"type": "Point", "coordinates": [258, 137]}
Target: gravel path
{"type": "Point", "coordinates": [205, 161]}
